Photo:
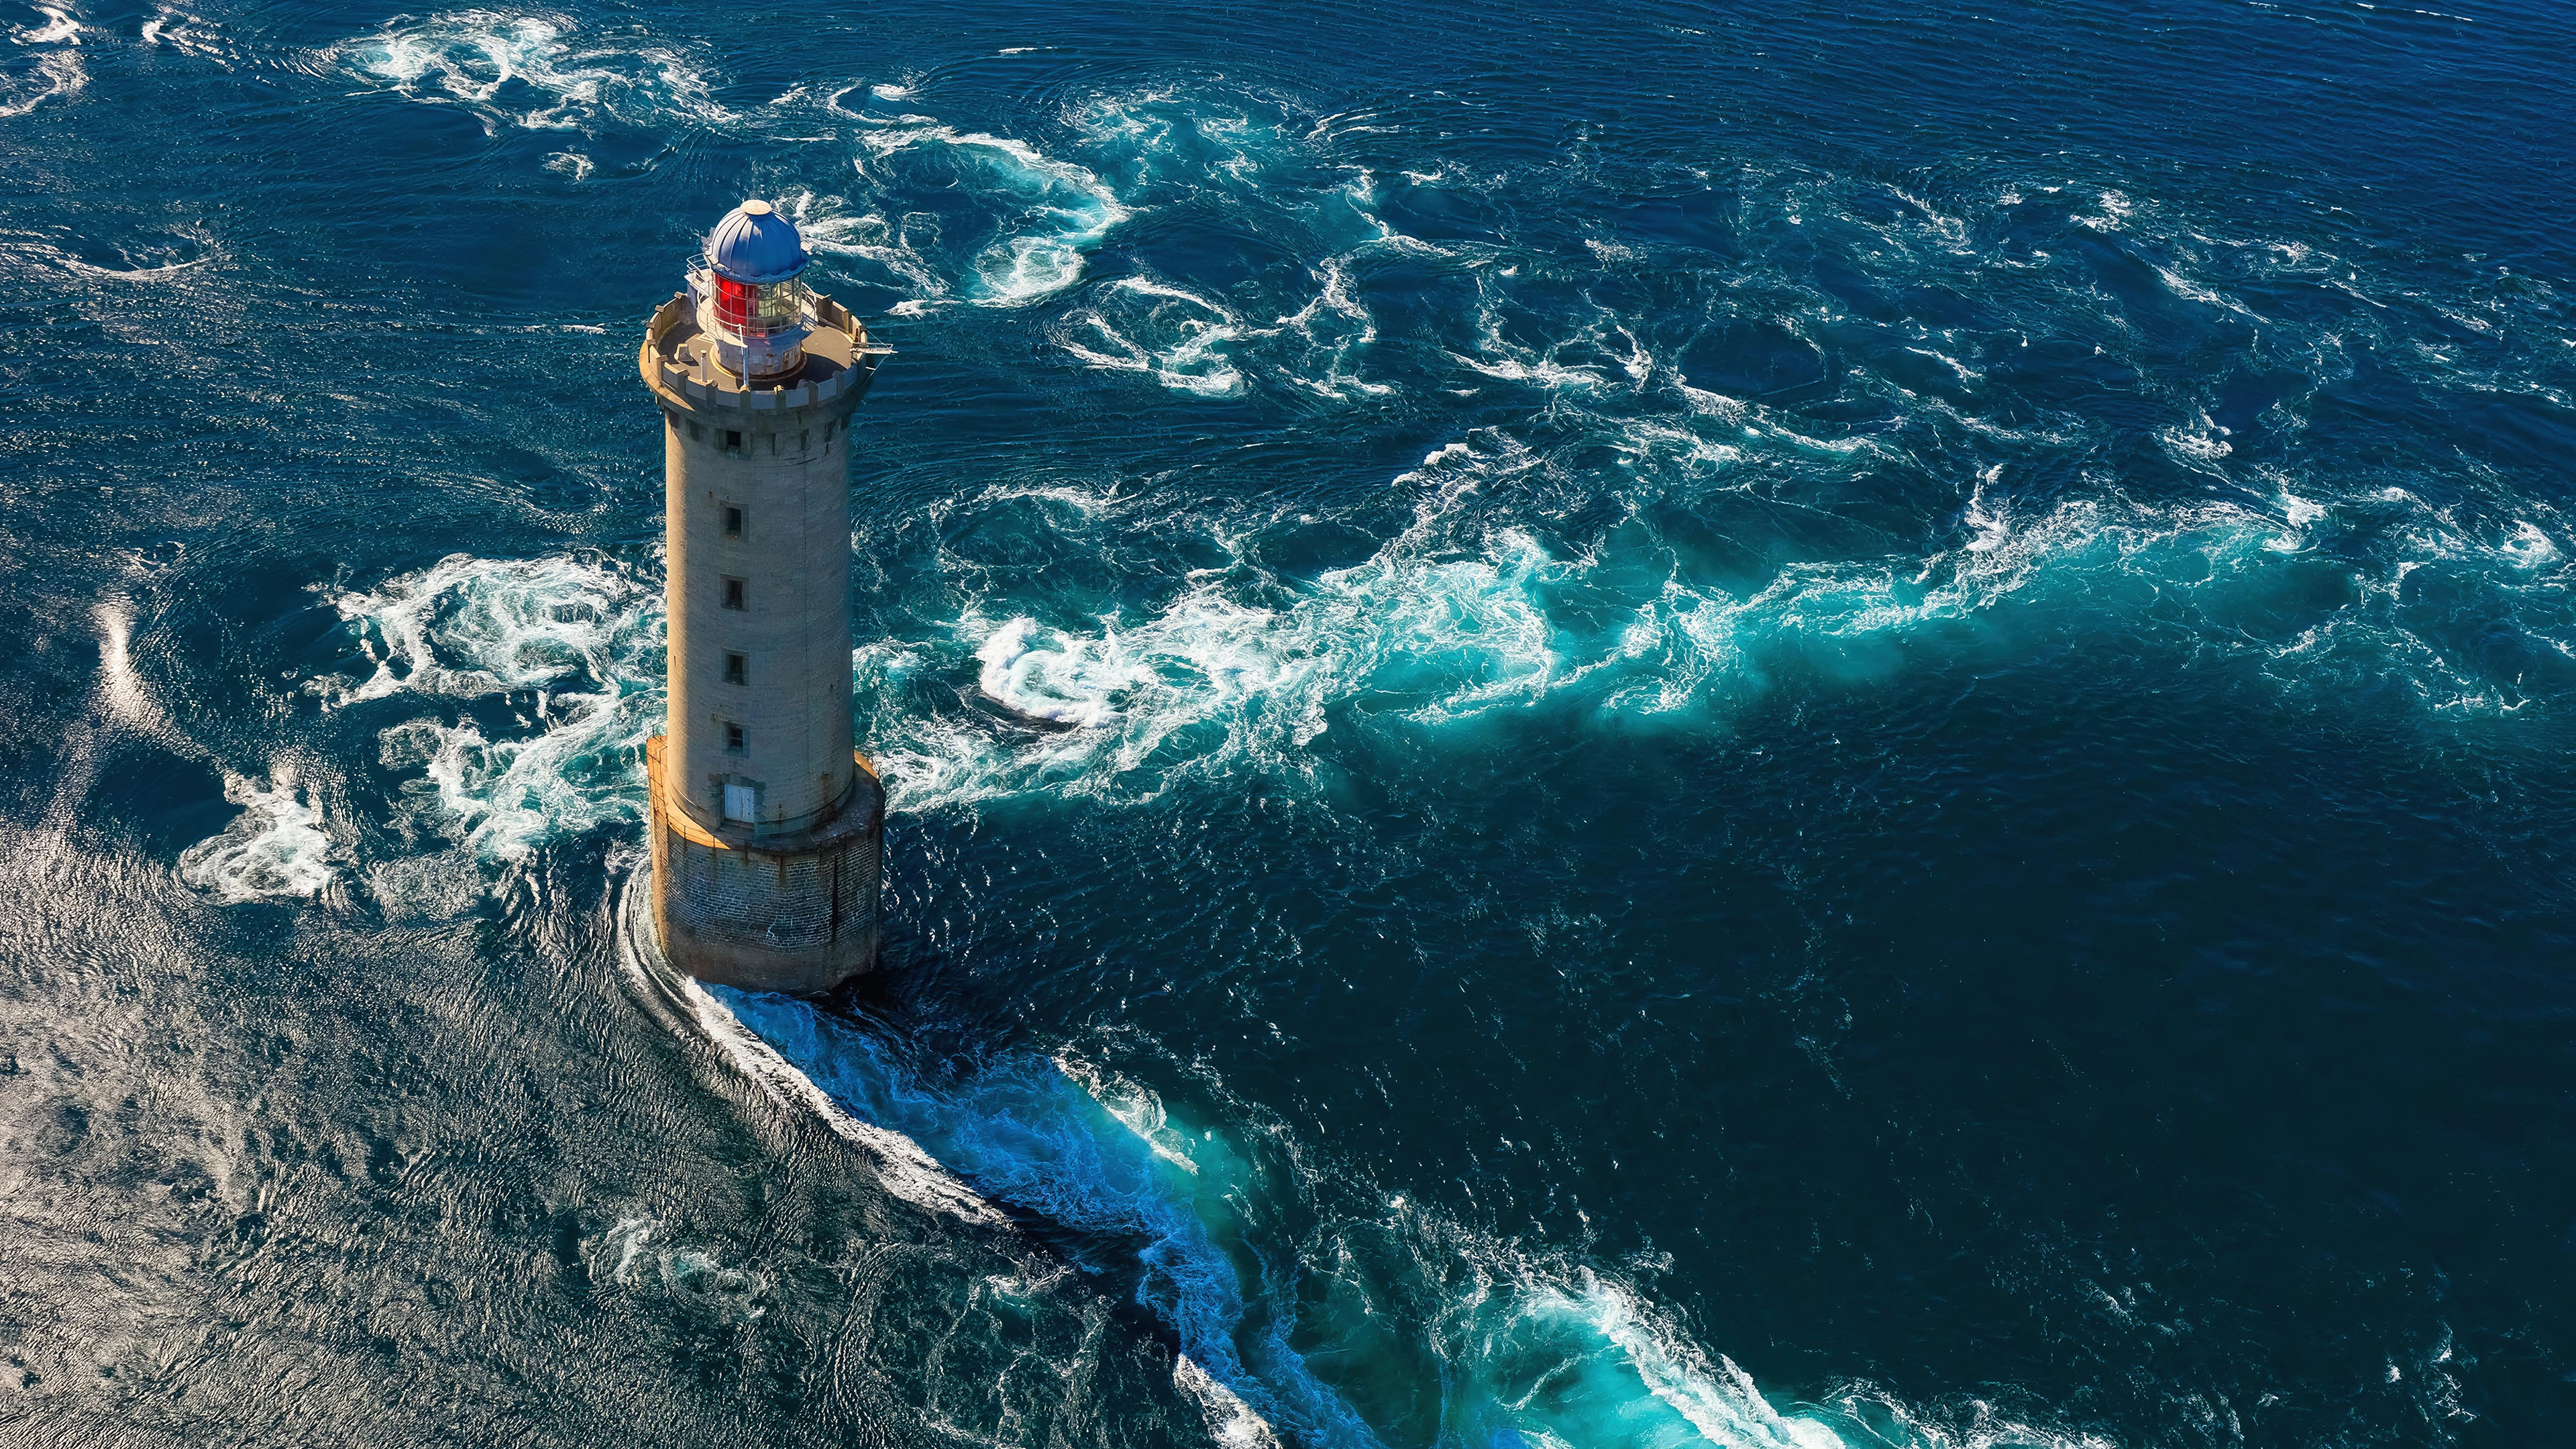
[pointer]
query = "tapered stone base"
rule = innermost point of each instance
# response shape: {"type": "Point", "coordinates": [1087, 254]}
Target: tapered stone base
{"type": "Point", "coordinates": [795, 913]}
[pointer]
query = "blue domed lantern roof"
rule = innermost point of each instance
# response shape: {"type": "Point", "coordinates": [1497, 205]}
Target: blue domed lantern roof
{"type": "Point", "coordinates": [754, 244]}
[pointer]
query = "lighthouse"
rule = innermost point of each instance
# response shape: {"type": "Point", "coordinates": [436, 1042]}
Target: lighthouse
{"type": "Point", "coordinates": [765, 819]}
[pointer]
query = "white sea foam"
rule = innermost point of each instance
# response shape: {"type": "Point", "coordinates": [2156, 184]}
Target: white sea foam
{"type": "Point", "coordinates": [59, 26]}
{"type": "Point", "coordinates": [1177, 336]}
{"type": "Point", "coordinates": [627, 1256]}
{"type": "Point", "coordinates": [2117, 208]}
{"type": "Point", "coordinates": [1230, 1421]}
{"type": "Point", "coordinates": [1210, 682]}
{"type": "Point", "coordinates": [51, 69]}
{"type": "Point", "coordinates": [142, 268]}
{"type": "Point", "coordinates": [906, 247]}
{"type": "Point", "coordinates": [467, 626]}
{"type": "Point", "coordinates": [1541, 1347]}
{"type": "Point", "coordinates": [1070, 682]}
{"type": "Point", "coordinates": [616, 1254]}
{"type": "Point", "coordinates": [1569, 354]}
{"type": "Point", "coordinates": [960, 216]}
{"type": "Point", "coordinates": [776, 1043]}
{"type": "Point", "coordinates": [1460, 616]}
{"type": "Point", "coordinates": [470, 57]}
{"type": "Point", "coordinates": [1166, 137]}
{"type": "Point", "coordinates": [1454, 618]}
{"type": "Point", "coordinates": [901, 1167]}
{"type": "Point", "coordinates": [1723, 1404]}
{"type": "Point", "coordinates": [1135, 1108]}
{"type": "Point", "coordinates": [1164, 144]}
{"type": "Point", "coordinates": [1607, 1366]}
{"type": "Point", "coordinates": [1990, 532]}
{"type": "Point", "coordinates": [1193, 343]}
{"type": "Point", "coordinates": [1040, 214]}
{"type": "Point", "coordinates": [2201, 442]}
{"type": "Point", "coordinates": [1335, 327]}
{"type": "Point", "coordinates": [276, 847]}
{"type": "Point", "coordinates": [573, 636]}
{"type": "Point", "coordinates": [190, 34]}
{"type": "Point", "coordinates": [2528, 547]}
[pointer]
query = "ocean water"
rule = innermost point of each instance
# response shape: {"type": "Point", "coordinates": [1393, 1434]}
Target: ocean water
{"type": "Point", "coordinates": [1792, 727]}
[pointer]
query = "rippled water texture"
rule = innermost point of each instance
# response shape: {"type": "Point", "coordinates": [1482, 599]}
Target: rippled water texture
{"type": "Point", "coordinates": [1641, 727]}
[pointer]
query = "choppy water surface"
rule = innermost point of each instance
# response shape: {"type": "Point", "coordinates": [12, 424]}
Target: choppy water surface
{"type": "Point", "coordinates": [1605, 728]}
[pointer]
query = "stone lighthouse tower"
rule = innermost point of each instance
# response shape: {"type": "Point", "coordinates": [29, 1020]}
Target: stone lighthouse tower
{"type": "Point", "coordinates": [765, 821]}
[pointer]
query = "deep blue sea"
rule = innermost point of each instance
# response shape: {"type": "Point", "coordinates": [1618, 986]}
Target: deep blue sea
{"type": "Point", "coordinates": [1796, 726]}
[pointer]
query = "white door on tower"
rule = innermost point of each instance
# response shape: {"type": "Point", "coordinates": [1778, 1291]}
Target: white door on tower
{"type": "Point", "coordinates": [738, 803]}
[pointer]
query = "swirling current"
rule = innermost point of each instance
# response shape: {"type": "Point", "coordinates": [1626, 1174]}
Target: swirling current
{"type": "Point", "coordinates": [1783, 727]}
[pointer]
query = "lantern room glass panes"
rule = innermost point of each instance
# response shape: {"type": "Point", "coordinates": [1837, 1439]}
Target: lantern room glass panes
{"type": "Point", "coordinates": [750, 310]}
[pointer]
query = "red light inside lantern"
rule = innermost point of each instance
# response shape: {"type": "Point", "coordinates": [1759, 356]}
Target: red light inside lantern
{"type": "Point", "coordinates": [736, 303]}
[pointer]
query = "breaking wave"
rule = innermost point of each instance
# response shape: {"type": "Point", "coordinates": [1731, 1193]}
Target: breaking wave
{"type": "Point", "coordinates": [1523, 1348]}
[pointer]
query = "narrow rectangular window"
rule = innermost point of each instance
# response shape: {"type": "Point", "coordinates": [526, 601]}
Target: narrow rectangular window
{"type": "Point", "coordinates": [739, 803]}
{"type": "Point", "coordinates": [737, 669]}
{"type": "Point", "coordinates": [733, 594]}
{"type": "Point", "coordinates": [733, 523]}
{"type": "Point", "coordinates": [733, 740]}
{"type": "Point", "coordinates": [733, 439]}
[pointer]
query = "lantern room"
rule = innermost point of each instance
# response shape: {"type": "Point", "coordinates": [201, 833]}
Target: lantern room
{"type": "Point", "coordinates": [749, 300]}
